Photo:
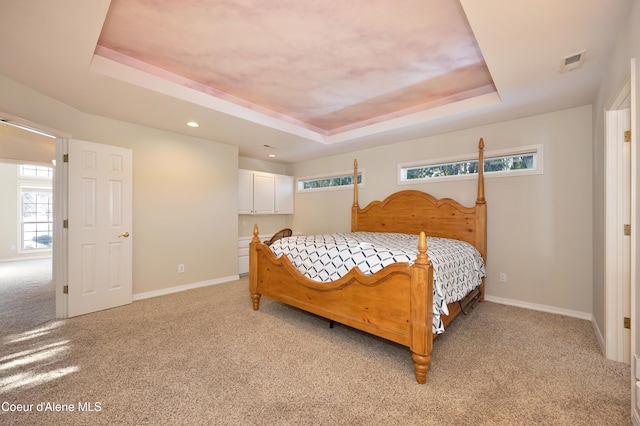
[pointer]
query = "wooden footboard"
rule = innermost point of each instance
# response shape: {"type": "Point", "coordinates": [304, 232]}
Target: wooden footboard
{"type": "Point", "coordinates": [395, 303]}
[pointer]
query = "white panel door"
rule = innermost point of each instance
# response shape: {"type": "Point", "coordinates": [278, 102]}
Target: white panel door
{"type": "Point", "coordinates": [100, 231]}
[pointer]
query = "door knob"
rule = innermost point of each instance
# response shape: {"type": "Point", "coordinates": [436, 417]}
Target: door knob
{"type": "Point", "coordinates": [125, 234]}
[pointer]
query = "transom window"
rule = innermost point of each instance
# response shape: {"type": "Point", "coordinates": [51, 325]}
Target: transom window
{"type": "Point", "coordinates": [340, 180]}
{"type": "Point", "coordinates": [30, 170]}
{"type": "Point", "coordinates": [523, 160]}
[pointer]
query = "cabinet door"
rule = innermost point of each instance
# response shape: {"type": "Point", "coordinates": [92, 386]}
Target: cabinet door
{"type": "Point", "coordinates": [245, 192]}
{"type": "Point", "coordinates": [263, 193]}
{"type": "Point", "coordinates": [284, 194]}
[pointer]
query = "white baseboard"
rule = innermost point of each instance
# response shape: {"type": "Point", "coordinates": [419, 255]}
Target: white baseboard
{"type": "Point", "coordinates": [543, 308]}
{"type": "Point", "coordinates": [177, 289]}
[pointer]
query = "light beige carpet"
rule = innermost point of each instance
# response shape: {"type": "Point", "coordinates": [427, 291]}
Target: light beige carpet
{"type": "Point", "coordinates": [27, 294]}
{"type": "Point", "coordinates": [204, 357]}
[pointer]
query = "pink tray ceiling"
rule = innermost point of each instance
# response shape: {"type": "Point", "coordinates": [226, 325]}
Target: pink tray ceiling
{"type": "Point", "coordinates": [328, 66]}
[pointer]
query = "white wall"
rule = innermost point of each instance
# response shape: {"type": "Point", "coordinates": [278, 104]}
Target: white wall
{"type": "Point", "coordinates": [184, 204]}
{"type": "Point", "coordinates": [539, 226]}
{"type": "Point", "coordinates": [184, 191]}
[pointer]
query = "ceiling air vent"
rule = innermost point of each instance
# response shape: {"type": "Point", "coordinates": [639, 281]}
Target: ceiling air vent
{"type": "Point", "coordinates": [571, 62]}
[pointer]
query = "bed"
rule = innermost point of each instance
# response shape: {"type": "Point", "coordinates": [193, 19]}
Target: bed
{"type": "Point", "coordinates": [396, 302]}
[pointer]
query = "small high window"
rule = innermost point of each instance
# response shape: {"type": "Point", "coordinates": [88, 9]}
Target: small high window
{"type": "Point", "coordinates": [337, 181]}
{"type": "Point", "coordinates": [520, 161]}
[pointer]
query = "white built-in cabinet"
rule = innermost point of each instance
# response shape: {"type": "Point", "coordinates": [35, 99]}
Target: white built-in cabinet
{"type": "Point", "coordinates": [264, 193]}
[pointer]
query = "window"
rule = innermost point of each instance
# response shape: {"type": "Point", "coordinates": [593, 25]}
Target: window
{"type": "Point", "coordinates": [337, 181]}
{"type": "Point", "coordinates": [37, 218]}
{"type": "Point", "coordinates": [36, 207]}
{"type": "Point", "coordinates": [521, 161]}
{"type": "Point", "coordinates": [30, 170]}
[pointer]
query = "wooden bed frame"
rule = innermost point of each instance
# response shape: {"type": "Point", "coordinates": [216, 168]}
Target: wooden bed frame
{"type": "Point", "coordinates": [396, 303]}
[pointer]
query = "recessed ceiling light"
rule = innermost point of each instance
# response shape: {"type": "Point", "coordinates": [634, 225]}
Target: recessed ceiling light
{"type": "Point", "coordinates": [272, 155]}
{"type": "Point", "coordinates": [193, 124]}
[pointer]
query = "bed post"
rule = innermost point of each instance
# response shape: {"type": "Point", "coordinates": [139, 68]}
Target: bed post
{"type": "Point", "coordinates": [421, 311]}
{"type": "Point", "coordinates": [480, 198]}
{"type": "Point", "coordinates": [253, 269]}
{"type": "Point", "coordinates": [355, 206]}
{"type": "Point", "coordinates": [481, 212]}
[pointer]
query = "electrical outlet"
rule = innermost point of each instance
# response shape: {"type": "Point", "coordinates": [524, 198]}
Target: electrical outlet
{"type": "Point", "coordinates": [181, 268]}
{"type": "Point", "coordinates": [503, 277]}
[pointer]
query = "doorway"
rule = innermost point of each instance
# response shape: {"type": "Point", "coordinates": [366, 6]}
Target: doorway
{"type": "Point", "coordinates": [27, 288]}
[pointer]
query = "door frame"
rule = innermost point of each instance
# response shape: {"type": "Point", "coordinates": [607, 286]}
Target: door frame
{"type": "Point", "coordinates": [617, 340]}
{"type": "Point", "coordinates": [635, 321]}
{"type": "Point", "coordinates": [60, 235]}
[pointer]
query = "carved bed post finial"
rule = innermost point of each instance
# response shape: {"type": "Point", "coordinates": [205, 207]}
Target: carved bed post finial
{"type": "Point", "coordinates": [422, 258]}
{"type": "Point", "coordinates": [480, 172]}
{"type": "Point", "coordinates": [255, 239]}
{"type": "Point", "coordinates": [355, 207]}
{"type": "Point", "coordinates": [355, 182]}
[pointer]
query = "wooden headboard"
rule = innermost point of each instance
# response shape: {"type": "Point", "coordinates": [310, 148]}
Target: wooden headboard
{"type": "Point", "coordinates": [412, 212]}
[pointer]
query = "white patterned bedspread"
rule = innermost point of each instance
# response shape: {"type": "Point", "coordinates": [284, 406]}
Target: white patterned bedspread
{"type": "Point", "coordinates": [458, 267]}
